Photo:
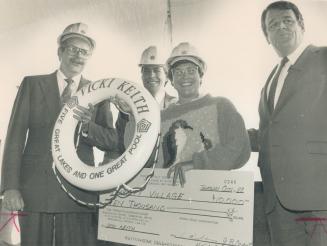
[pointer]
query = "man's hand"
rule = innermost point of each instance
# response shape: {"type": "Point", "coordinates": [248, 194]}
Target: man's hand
{"type": "Point", "coordinates": [12, 200]}
{"type": "Point", "coordinates": [179, 170]}
{"type": "Point", "coordinates": [254, 139]}
{"type": "Point", "coordinates": [83, 114]}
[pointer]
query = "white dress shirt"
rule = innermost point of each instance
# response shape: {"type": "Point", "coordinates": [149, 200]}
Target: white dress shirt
{"type": "Point", "coordinates": [292, 58]}
{"type": "Point", "coordinates": [62, 83]}
{"type": "Point", "coordinates": [160, 98]}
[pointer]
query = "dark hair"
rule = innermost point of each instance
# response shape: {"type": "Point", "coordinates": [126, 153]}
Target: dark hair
{"type": "Point", "coordinates": [281, 5]}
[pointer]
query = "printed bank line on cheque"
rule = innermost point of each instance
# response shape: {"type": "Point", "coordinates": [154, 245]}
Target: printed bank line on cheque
{"type": "Point", "coordinates": [122, 229]}
{"type": "Point", "coordinates": [198, 209]}
{"type": "Point", "coordinates": [174, 212]}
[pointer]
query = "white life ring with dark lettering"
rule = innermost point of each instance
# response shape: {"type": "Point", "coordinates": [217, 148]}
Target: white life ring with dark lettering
{"type": "Point", "coordinates": [147, 117]}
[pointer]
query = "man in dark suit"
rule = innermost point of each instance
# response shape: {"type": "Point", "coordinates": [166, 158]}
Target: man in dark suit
{"type": "Point", "coordinates": [28, 182]}
{"type": "Point", "coordinates": [292, 136]}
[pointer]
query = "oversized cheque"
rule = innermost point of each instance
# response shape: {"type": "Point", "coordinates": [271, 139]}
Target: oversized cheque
{"type": "Point", "coordinates": [216, 208]}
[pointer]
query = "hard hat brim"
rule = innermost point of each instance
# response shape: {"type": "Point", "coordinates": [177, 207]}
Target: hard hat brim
{"type": "Point", "coordinates": [197, 61]}
{"type": "Point", "coordinates": [154, 64]}
{"type": "Point", "coordinates": [64, 37]}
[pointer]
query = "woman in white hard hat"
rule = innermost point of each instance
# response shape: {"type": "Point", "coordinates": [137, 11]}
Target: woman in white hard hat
{"type": "Point", "coordinates": [199, 131]}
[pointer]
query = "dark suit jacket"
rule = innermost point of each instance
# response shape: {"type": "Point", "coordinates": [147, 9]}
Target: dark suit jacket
{"type": "Point", "coordinates": [293, 139]}
{"type": "Point", "coordinates": [27, 159]}
{"type": "Point", "coordinates": [121, 123]}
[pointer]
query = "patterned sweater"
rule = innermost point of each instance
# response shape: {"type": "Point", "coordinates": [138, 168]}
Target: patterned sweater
{"type": "Point", "coordinates": [216, 135]}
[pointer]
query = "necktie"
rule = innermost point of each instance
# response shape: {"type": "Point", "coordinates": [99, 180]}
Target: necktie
{"type": "Point", "coordinates": [273, 86]}
{"type": "Point", "coordinates": [66, 94]}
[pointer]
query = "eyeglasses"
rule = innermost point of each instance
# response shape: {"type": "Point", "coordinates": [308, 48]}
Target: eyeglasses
{"type": "Point", "coordinates": [73, 50]}
{"type": "Point", "coordinates": [273, 26]}
{"type": "Point", "coordinates": [189, 71]}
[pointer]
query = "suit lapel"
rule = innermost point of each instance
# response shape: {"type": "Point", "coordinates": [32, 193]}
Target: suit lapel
{"type": "Point", "coordinates": [293, 79]}
{"type": "Point", "coordinates": [49, 87]}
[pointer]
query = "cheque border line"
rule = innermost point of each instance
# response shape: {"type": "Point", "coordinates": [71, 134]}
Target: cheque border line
{"type": "Point", "coordinates": [191, 200]}
{"type": "Point", "coordinates": [173, 212]}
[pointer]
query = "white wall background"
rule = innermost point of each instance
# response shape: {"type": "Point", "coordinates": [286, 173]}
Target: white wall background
{"type": "Point", "coordinates": [227, 33]}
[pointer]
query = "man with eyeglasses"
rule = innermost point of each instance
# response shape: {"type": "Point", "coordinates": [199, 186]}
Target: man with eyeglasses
{"type": "Point", "coordinates": [198, 131]}
{"type": "Point", "coordinates": [28, 182]}
{"type": "Point", "coordinates": [292, 136]}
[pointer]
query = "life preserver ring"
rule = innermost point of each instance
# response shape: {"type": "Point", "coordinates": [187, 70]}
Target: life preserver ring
{"type": "Point", "coordinates": [147, 117]}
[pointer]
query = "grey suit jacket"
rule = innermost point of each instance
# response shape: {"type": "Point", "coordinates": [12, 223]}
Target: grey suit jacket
{"type": "Point", "coordinates": [293, 139]}
{"type": "Point", "coordinates": [27, 159]}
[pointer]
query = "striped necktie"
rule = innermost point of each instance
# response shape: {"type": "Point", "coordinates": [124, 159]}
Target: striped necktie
{"type": "Point", "coordinates": [273, 86]}
{"type": "Point", "coordinates": [67, 93]}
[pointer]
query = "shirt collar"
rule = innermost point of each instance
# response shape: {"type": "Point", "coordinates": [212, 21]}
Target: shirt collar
{"type": "Point", "coordinates": [160, 96]}
{"type": "Point", "coordinates": [296, 54]}
{"type": "Point", "coordinates": [76, 78]}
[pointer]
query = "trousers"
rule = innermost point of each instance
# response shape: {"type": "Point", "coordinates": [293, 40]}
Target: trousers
{"type": "Point", "coordinates": [297, 228]}
{"type": "Point", "coordinates": [58, 229]}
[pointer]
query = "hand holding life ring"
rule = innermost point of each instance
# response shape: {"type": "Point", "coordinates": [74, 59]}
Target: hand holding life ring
{"type": "Point", "coordinates": [111, 175]}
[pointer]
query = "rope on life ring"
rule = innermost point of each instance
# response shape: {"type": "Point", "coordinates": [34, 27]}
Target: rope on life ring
{"type": "Point", "coordinates": [115, 174]}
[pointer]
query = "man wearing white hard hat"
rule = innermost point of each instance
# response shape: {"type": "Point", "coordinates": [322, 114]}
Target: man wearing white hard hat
{"type": "Point", "coordinates": [28, 182]}
{"type": "Point", "coordinates": [199, 131]}
{"type": "Point", "coordinates": [154, 78]}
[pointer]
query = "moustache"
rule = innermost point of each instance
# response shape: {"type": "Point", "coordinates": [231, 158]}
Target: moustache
{"type": "Point", "coordinates": [77, 61]}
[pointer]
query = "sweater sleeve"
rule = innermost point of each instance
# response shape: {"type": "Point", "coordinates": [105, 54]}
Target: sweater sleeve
{"type": "Point", "coordinates": [254, 139]}
{"type": "Point", "coordinates": [233, 150]}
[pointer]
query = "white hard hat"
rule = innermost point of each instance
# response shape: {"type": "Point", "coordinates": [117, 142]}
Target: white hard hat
{"type": "Point", "coordinates": [186, 52]}
{"type": "Point", "coordinates": [78, 30]}
{"type": "Point", "coordinates": [151, 56]}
